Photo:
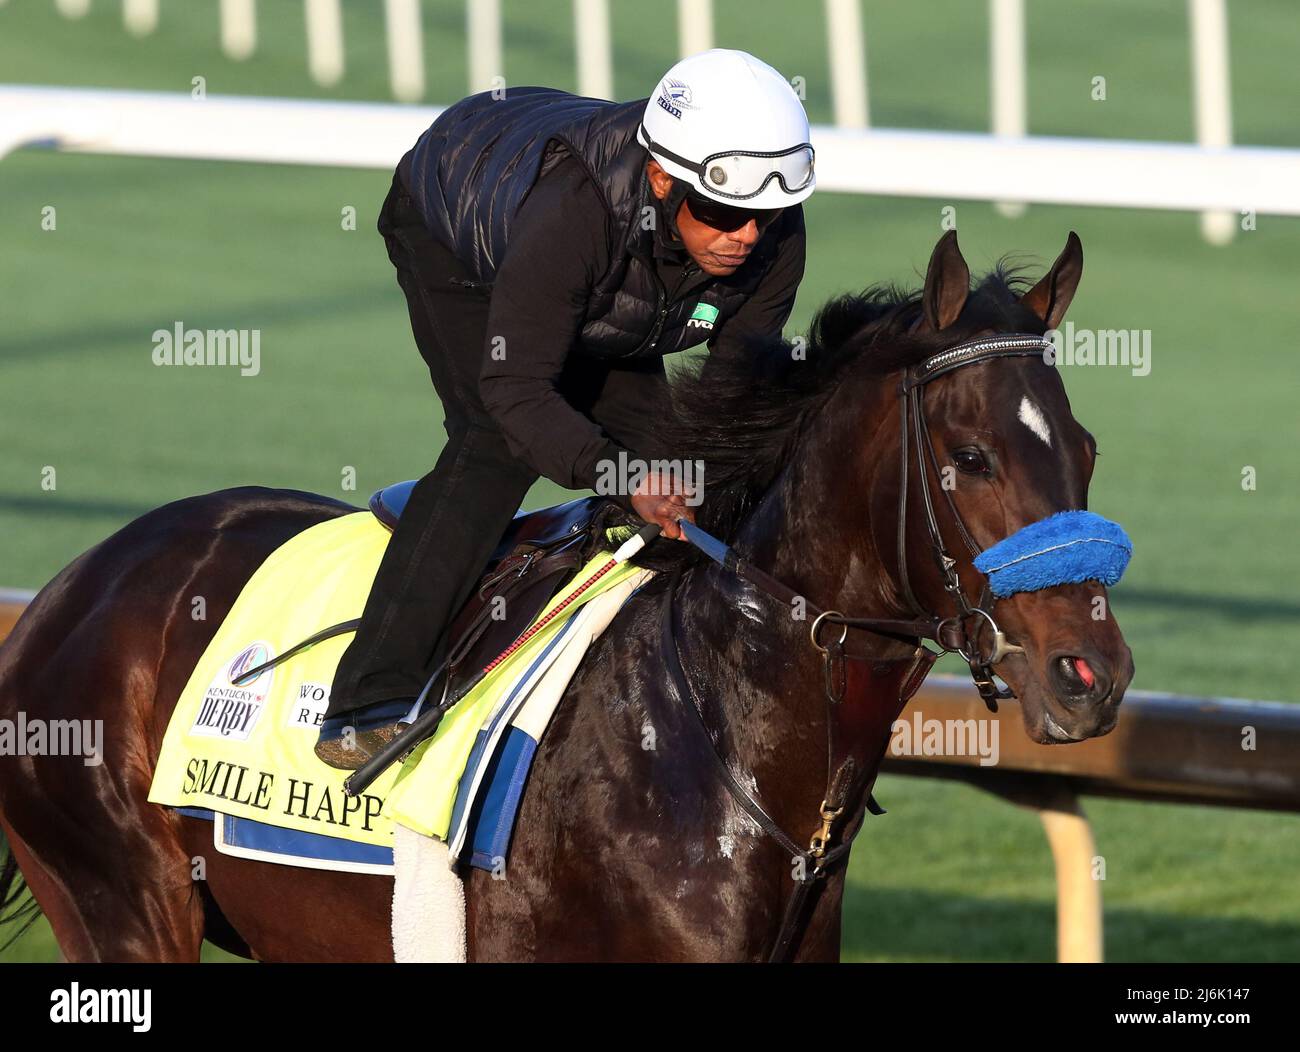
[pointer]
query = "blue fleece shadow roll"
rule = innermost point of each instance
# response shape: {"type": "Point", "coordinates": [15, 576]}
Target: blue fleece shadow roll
{"type": "Point", "coordinates": [1066, 548]}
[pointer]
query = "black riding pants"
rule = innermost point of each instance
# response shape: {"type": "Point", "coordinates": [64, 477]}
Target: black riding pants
{"type": "Point", "coordinates": [458, 512]}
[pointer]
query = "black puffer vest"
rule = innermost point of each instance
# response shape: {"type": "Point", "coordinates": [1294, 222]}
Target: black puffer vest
{"type": "Point", "coordinates": [472, 169]}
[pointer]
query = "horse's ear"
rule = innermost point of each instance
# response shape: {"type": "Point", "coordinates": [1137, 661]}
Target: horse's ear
{"type": "Point", "coordinates": [1051, 297]}
{"type": "Point", "coordinates": [947, 283]}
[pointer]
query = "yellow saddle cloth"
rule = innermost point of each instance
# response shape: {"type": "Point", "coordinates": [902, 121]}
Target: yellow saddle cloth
{"type": "Point", "coordinates": [247, 751]}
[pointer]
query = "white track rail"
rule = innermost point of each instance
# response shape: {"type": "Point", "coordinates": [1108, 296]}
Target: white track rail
{"type": "Point", "coordinates": [941, 165]}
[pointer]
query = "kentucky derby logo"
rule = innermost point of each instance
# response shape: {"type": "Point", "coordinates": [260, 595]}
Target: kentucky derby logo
{"type": "Point", "coordinates": [257, 654]}
{"type": "Point", "coordinates": [230, 706]}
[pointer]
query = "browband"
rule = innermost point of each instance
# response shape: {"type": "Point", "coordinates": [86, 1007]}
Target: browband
{"type": "Point", "coordinates": [1006, 344]}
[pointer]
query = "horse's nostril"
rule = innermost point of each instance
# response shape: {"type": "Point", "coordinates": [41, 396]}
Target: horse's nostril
{"type": "Point", "coordinates": [1078, 679]}
{"type": "Point", "coordinates": [1074, 676]}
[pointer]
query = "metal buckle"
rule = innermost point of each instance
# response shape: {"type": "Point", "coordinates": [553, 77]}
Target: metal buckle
{"type": "Point", "coordinates": [987, 689]}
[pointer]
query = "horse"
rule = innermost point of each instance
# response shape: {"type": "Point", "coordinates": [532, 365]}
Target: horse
{"type": "Point", "coordinates": [636, 838]}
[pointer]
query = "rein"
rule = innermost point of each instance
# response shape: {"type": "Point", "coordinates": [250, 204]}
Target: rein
{"type": "Point", "coordinates": [845, 782]}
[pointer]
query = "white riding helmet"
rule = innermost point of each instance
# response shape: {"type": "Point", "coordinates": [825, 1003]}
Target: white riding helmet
{"type": "Point", "coordinates": [732, 128]}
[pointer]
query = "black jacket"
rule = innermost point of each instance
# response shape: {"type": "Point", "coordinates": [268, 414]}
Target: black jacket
{"type": "Point", "coordinates": [543, 197]}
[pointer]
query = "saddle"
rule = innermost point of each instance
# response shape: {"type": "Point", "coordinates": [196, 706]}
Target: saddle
{"type": "Point", "coordinates": [537, 554]}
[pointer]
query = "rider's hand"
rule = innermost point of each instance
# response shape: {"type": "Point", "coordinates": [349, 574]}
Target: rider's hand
{"type": "Point", "coordinates": [656, 499]}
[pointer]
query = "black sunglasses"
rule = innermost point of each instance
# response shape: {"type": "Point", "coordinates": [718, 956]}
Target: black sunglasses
{"type": "Point", "coordinates": [727, 218]}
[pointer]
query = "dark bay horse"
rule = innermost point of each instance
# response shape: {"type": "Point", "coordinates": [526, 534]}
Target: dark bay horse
{"type": "Point", "coordinates": [629, 845]}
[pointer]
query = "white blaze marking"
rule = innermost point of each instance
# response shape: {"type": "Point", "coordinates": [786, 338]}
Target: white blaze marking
{"type": "Point", "coordinates": [1032, 417]}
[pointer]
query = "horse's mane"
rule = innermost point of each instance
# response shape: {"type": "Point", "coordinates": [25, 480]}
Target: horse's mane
{"type": "Point", "coordinates": [740, 408]}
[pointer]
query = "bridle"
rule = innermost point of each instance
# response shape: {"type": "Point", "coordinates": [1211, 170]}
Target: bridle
{"type": "Point", "coordinates": [921, 445]}
{"type": "Point", "coordinates": [952, 633]}
{"type": "Point", "coordinates": [959, 632]}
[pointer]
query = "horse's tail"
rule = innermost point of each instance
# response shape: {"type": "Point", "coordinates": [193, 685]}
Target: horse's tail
{"type": "Point", "coordinates": [16, 905]}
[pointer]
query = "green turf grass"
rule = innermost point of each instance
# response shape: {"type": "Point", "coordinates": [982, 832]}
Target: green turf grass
{"type": "Point", "coordinates": [1209, 604]}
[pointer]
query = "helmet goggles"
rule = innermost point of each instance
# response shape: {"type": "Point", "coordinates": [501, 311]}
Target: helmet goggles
{"type": "Point", "coordinates": [743, 174]}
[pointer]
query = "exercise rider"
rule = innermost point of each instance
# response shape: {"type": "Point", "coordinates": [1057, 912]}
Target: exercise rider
{"type": "Point", "coordinates": [552, 249]}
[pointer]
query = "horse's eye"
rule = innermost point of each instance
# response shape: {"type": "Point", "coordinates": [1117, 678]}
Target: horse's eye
{"type": "Point", "coordinates": [970, 462]}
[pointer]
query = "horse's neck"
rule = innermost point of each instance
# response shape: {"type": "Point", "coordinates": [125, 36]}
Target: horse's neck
{"type": "Point", "coordinates": [763, 680]}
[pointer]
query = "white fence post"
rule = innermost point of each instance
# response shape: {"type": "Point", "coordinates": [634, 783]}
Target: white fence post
{"type": "Point", "coordinates": [595, 65]}
{"type": "Point", "coordinates": [324, 41]}
{"type": "Point", "coordinates": [848, 63]}
{"type": "Point", "coordinates": [140, 16]}
{"type": "Point", "coordinates": [484, 31]}
{"type": "Point", "coordinates": [1209, 20]}
{"type": "Point", "coordinates": [694, 26]}
{"type": "Point", "coordinates": [1080, 918]}
{"type": "Point", "coordinates": [405, 49]}
{"type": "Point", "coordinates": [238, 28]}
{"type": "Point", "coordinates": [1007, 78]}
